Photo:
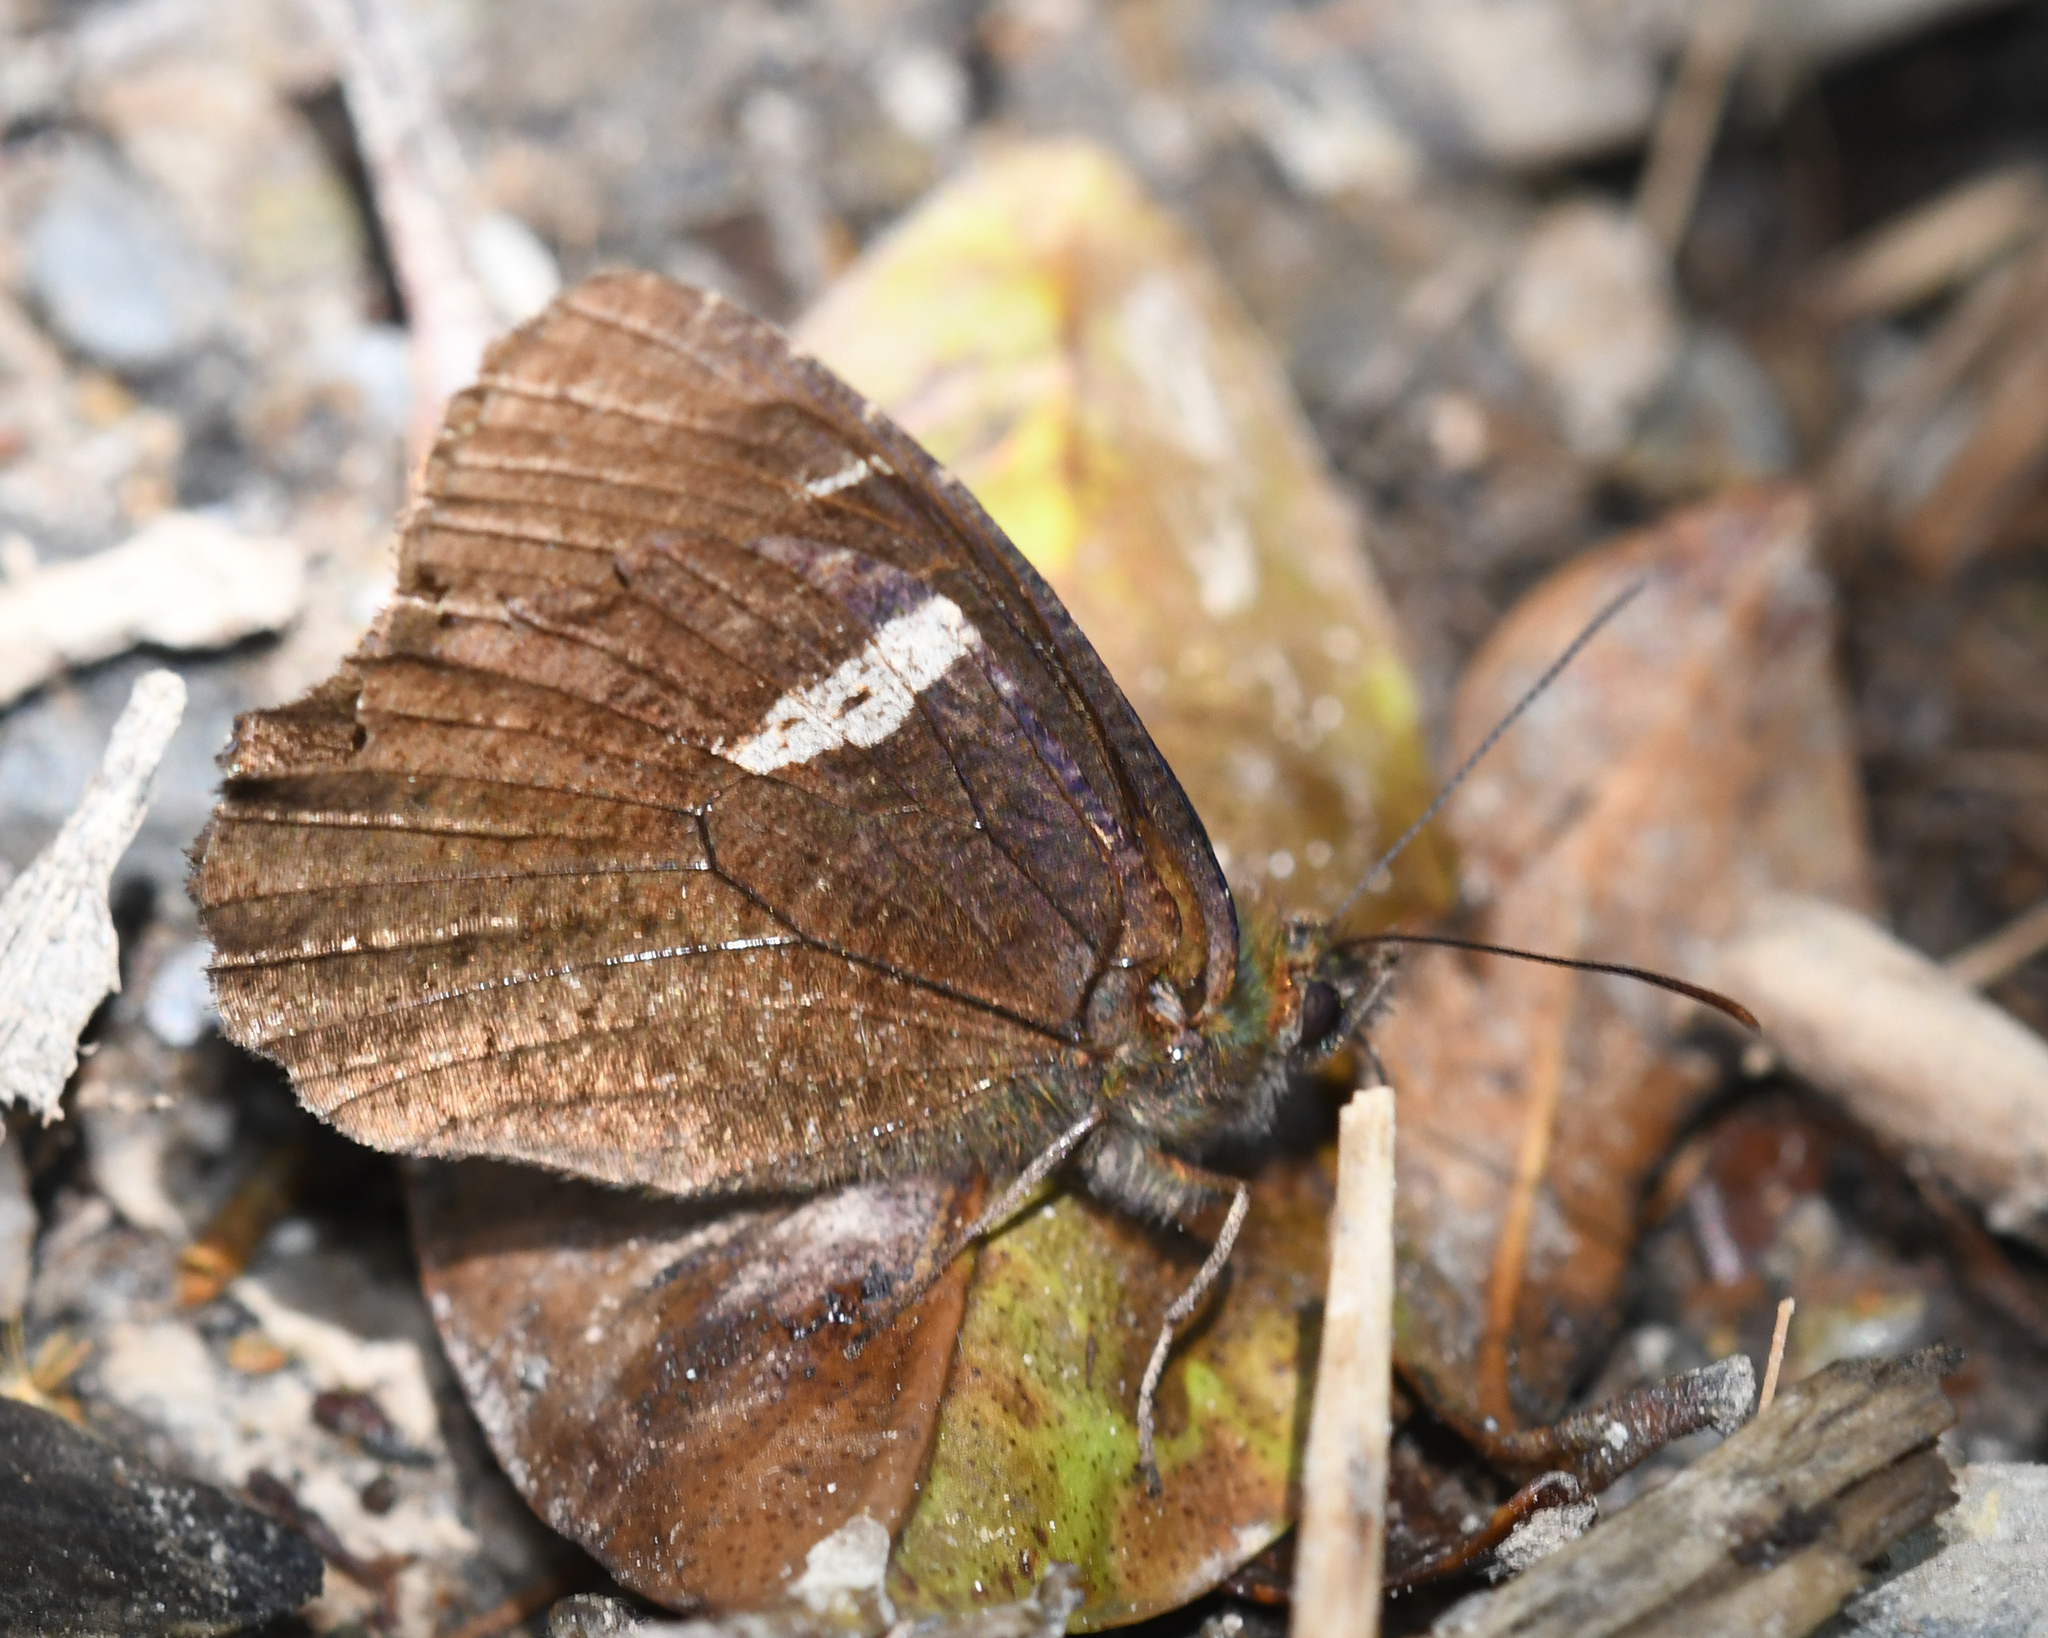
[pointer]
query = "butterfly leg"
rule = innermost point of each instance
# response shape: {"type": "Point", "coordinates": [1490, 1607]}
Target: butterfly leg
{"type": "Point", "coordinates": [1183, 1306]}
{"type": "Point", "coordinates": [1005, 1206]}
{"type": "Point", "coordinates": [1122, 1169]}
{"type": "Point", "coordinates": [1011, 1200]}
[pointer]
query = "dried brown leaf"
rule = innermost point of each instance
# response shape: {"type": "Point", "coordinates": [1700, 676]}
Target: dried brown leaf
{"type": "Point", "coordinates": [697, 1394]}
{"type": "Point", "coordinates": [1695, 753]}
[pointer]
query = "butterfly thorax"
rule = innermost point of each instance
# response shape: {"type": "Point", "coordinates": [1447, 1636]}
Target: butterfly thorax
{"type": "Point", "coordinates": [1186, 1085]}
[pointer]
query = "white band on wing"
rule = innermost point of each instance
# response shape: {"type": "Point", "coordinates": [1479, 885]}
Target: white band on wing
{"type": "Point", "coordinates": [867, 697]}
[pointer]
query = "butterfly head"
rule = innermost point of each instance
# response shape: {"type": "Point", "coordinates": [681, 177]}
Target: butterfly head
{"type": "Point", "coordinates": [1324, 991]}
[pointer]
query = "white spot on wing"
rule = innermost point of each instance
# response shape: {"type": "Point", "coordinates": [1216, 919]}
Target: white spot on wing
{"type": "Point", "coordinates": [858, 470]}
{"type": "Point", "coordinates": [867, 697]}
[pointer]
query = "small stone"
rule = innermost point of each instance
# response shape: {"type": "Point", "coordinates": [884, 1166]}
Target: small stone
{"type": "Point", "coordinates": [92, 1542]}
{"type": "Point", "coordinates": [1980, 1569]}
{"type": "Point", "coordinates": [925, 92]}
{"type": "Point", "coordinates": [113, 275]}
{"type": "Point", "coordinates": [1590, 310]}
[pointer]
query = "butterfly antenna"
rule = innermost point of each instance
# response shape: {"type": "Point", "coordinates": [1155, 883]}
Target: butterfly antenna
{"type": "Point", "coordinates": [1534, 692]}
{"type": "Point", "coordinates": [1663, 981]}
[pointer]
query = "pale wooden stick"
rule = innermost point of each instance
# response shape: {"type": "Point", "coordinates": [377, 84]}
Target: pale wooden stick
{"type": "Point", "coordinates": [1925, 1062]}
{"type": "Point", "coordinates": [1691, 117]}
{"type": "Point", "coordinates": [1777, 1359]}
{"type": "Point", "coordinates": [423, 196]}
{"type": "Point", "coordinates": [1344, 1473]}
{"type": "Point", "coordinates": [59, 956]}
{"type": "Point", "coordinates": [1989, 960]}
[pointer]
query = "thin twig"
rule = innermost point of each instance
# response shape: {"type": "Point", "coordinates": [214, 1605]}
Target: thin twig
{"type": "Point", "coordinates": [1435, 306]}
{"type": "Point", "coordinates": [1988, 960]}
{"type": "Point", "coordinates": [422, 192]}
{"type": "Point", "coordinates": [1777, 1360]}
{"type": "Point", "coordinates": [528, 1601]}
{"type": "Point", "coordinates": [1937, 246]}
{"type": "Point", "coordinates": [1544, 1080]}
{"type": "Point", "coordinates": [1344, 1471]}
{"type": "Point", "coordinates": [1690, 119]}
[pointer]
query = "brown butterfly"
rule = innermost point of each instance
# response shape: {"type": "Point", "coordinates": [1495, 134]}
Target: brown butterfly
{"type": "Point", "coordinates": [723, 805]}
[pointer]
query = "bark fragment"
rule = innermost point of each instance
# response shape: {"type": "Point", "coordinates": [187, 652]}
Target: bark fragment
{"type": "Point", "coordinates": [1767, 1533]}
{"type": "Point", "coordinates": [58, 954]}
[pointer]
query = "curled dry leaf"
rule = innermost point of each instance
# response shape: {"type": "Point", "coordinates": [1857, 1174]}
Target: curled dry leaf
{"type": "Point", "coordinates": [58, 954]}
{"type": "Point", "coordinates": [1766, 1533]}
{"type": "Point", "coordinates": [1060, 344]}
{"type": "Point", "coordinates": [1439, 1517]}
{"type": "Point", "coordinates": [674, 1385]}
{"type": "Point", "coordinates": [1696, 753]}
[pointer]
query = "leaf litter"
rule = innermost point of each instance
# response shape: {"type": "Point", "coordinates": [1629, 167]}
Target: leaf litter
{"type": "Point", "coordinates": [1470, 484]}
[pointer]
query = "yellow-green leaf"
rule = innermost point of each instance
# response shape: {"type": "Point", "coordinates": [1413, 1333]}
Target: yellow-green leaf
{"type": "Point", "coordinates": [1036, 1456]}
{"type": "Point", "coordinates": [1063, 346]}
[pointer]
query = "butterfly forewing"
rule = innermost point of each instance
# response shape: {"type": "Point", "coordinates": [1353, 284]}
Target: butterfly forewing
{"type": "Point", "coordinates": [723, 802]}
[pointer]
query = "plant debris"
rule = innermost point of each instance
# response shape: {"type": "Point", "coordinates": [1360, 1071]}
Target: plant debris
{"type": "Point", "coordinates": [186, 581]}
{"type": "Point", "coordinates": [1772, 1529]}
{"type": "Point", "coordinates": [1344, 1464]}
{"type": "Point", "coordinates": [679, 1388]}
{"type": "Point", "coordinates": [1911, 1052]}
{"type": "Point", "coordinates": [58, 952]}
{"type": "Point", "coordinates": [1537, 1100]}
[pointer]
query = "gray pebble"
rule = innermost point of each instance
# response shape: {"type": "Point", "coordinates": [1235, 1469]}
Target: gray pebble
{"type": "Point", "coordinates": [112, 274]}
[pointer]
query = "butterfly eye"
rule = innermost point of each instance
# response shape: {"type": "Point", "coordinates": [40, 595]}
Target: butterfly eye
{"type": "Point", "coordinates": [1321, 1012]}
